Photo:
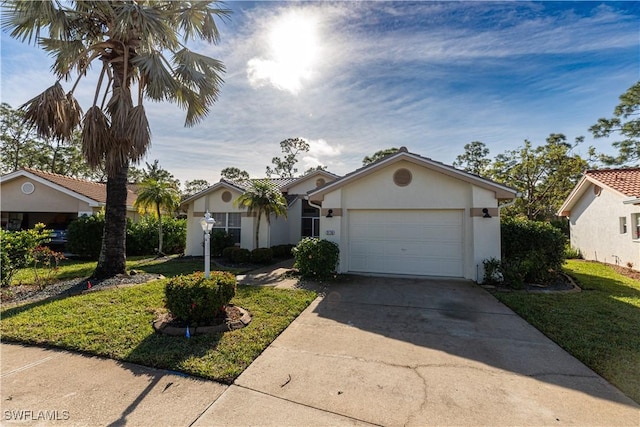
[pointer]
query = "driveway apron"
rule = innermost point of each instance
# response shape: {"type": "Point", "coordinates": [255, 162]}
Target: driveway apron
{"type": "Point", "coordinates": [393, 352]}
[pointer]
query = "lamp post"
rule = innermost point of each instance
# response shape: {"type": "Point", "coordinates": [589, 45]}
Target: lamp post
{"type": "Point", "coordinates": [207, 224]}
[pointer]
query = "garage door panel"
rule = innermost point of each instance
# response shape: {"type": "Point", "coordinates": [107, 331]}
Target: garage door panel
{"type": "Point", "coordinates": [427, 242]}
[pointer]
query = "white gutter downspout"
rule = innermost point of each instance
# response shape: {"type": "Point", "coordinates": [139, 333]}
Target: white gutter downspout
{"type": "Point", "coordinates": [506, 205]}
{"type": "Point", "coordinates": [319, 207]}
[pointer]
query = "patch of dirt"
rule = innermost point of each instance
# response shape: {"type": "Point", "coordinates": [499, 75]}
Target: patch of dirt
{"type": "Point", "coordinates": [66, 288]}
{"type": "Point", "coordinates": [625, 271]}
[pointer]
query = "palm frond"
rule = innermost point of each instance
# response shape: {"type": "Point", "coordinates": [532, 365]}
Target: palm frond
{"type": "Point", "coordinates": [197, 20]}
{"type": "Point", "coordinates": [68, 55]}
{"type": "Point", "coordinates": [159, 82]}
{"type": "Point", "coordinates": [139, 133]}
{"type": "Point", "coordinates": [119, 107]}
{"type": "Point", "coordinates": [144, 22]}
{"type": "Point", "coordinates": [24, 20]}
{"type": "Point", "coordinates": [96, 136]}
{"type": "Point", "coordinates": [52, 113]}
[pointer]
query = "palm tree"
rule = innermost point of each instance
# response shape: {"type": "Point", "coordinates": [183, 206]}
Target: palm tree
{"type": "Point", "coordinates": [158, 195]}
{"type": "Point", "coordinates": [263, 197]}
{"type": "Point", "coordinates": [137, 46]}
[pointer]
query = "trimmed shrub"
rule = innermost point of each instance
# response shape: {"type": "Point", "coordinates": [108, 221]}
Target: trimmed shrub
{"type": "Point", "coordinates": [17, 249]}
{"type": "Point", "coordinates": [142, 236]}
{"type": "Point", "coordinates": [220, 240]}
{"type": "Point", "coordinates": [227, 253]}
{"type": "Point", "coordinates": [195, 300]}
{"type": "Point", "coordinates": [240, 256]}
{"type": "Point", "coordinates": [261, 256]}
{"type": "Point", "coordinates": [282, 251]}
{"type": "Point", "coordinates": [532, 251]}
{"type": "Point", "coordinates": [84, 236]}
{"type": "Point", "coordinates": [316, 257]}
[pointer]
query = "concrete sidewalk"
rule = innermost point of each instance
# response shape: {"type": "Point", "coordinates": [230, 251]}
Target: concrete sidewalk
{"type": "Point", "coordinates": [373, 351]}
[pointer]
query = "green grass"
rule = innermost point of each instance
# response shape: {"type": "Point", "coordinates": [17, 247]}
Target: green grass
{"type": "Point", "coordinates": [599, 326]}
{"type": "Point", "coordinates": [73, 268]}
{"type": "Point", "coordinates": [116, 323]}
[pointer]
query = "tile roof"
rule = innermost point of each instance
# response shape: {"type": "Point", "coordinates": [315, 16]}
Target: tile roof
{"type": "Point", "coordinates": [625, 181]}
{"type": "Point", "coordinates": [93, 190]}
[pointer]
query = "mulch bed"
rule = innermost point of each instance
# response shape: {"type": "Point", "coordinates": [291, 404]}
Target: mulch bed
{"type": "Point", "coordinates": [66, 288]}
{"type": "Point", "coordinates": [233, 318]}
{"type": "Point", "coordinates": [562, 283]}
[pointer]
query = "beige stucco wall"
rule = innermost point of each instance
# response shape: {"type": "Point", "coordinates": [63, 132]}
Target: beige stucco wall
{"type": "Point", "coordinates": [211, 202]}
{"type": "Point", "coordinates": [308, 184]}
{"type": "Point", "coordinates": [595, 228]}
{"type": "Point", "coordinates": [43, 199]}
{"type": "Point", "coordinates": [427, 190]}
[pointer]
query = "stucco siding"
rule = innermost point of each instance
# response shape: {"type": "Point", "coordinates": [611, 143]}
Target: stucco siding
{"type": "Point", "coordinates": [595, 228]}
{"type": "Point", "coordinates": [427, 188]}
{"type": "Point", "coordinates": [43, 199]}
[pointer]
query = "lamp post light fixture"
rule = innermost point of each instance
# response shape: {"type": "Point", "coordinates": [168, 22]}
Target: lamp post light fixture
{"type": "Point", "coordinates": [207, 224]}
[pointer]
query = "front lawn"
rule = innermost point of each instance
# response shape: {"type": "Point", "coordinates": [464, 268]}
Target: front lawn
{"type": "Point", "coordinates": [116, 323]}
{"type": "Point", "coordinates": [73, 268]}
{"type": "Point", "coordinates": [599, 326]}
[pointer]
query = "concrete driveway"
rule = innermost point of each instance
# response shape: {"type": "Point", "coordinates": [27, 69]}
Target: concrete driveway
{"type": "Point", "coordinates": [395, 352]}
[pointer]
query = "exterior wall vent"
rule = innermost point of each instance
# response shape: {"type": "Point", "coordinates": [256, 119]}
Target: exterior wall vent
{"type": "Point", "coordinates": [226, 196]}
{"type": "Point", "coordinates": [402, 177]}
{"type": "Point", "coordinates": [28, 188]}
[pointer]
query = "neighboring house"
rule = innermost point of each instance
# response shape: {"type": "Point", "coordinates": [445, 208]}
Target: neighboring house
{"type": "Point", "coordinates": [302, 220]}
{"type": "Point", "coordinates": [604, 216]}
{"type": "Point", "coordinates": [30, 196]}
{"type": "Point", "coordinates": [403, 215]}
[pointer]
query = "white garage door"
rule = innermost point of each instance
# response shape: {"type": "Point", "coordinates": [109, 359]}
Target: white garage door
{"type": "Point", "coordinates": [417, 242]}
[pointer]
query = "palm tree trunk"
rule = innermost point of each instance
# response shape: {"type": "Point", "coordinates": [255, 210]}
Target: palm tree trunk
{"type": "Point", "coordinates": [113, 253]}
{"type": "Point", "coordinates": [159, 230]}
{"type": "Point", "coordinates": [258, 230]}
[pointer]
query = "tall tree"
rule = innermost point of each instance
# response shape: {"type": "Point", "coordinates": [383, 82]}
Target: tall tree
{"type": "Point", "coordinates": [234, 174]}
{"type": "Point", "coordinates": [626, 124]}
{"type": "Point", "coordinates": [544, 175]}
{"type": "Point", "coordinates": [263, 197]}
{"type": "Point", "coordinates": [379, 155]}
{"type": "Point", "coordinates": [193, 187]}
{"type": "Point", "coordinates": [158, 195]}
{"type": "Point", "coordinates": [474, 160]}
{"type": "Point", "coordinates": [130, 42]}
{"type": "Point", "coordinates": [285, 166]}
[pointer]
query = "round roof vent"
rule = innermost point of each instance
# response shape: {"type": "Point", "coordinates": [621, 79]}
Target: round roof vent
{"type": "Point", "coordinates": [226, 196]}
{"type": "Point", "coordinates": [320, 182]}
{"type": "Point", "coordinates": [402, 177]}
{"type": "Point", "coordinates": [28, 188]}
{"type": "Point", "coordinates": [597, 190]}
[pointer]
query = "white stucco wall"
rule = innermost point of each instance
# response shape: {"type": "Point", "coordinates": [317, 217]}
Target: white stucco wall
{"type": "Point", "coordinates": [595, 228]}
{"type": "Point", "coordinates": [428, 190]}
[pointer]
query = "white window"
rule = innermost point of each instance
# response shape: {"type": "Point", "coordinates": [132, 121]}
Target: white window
{"type": "Point", "coordinates": [623, 225]}
{"type": "Point", "coordinates": [635, 223]}
{"type": "Point", "coordinates": [310, 220]}
{"type": "Point", "coordinates": [228, 222]}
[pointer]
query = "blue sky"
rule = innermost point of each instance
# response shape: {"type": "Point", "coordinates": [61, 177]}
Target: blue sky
{"type": "Point", "coordinates": [357, 77]}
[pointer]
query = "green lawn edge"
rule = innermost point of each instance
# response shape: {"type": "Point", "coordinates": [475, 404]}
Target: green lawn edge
{"type": "Point", "coordinates": [117, 324]}
{"type": "Point", "coordinates": [600, 325]}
